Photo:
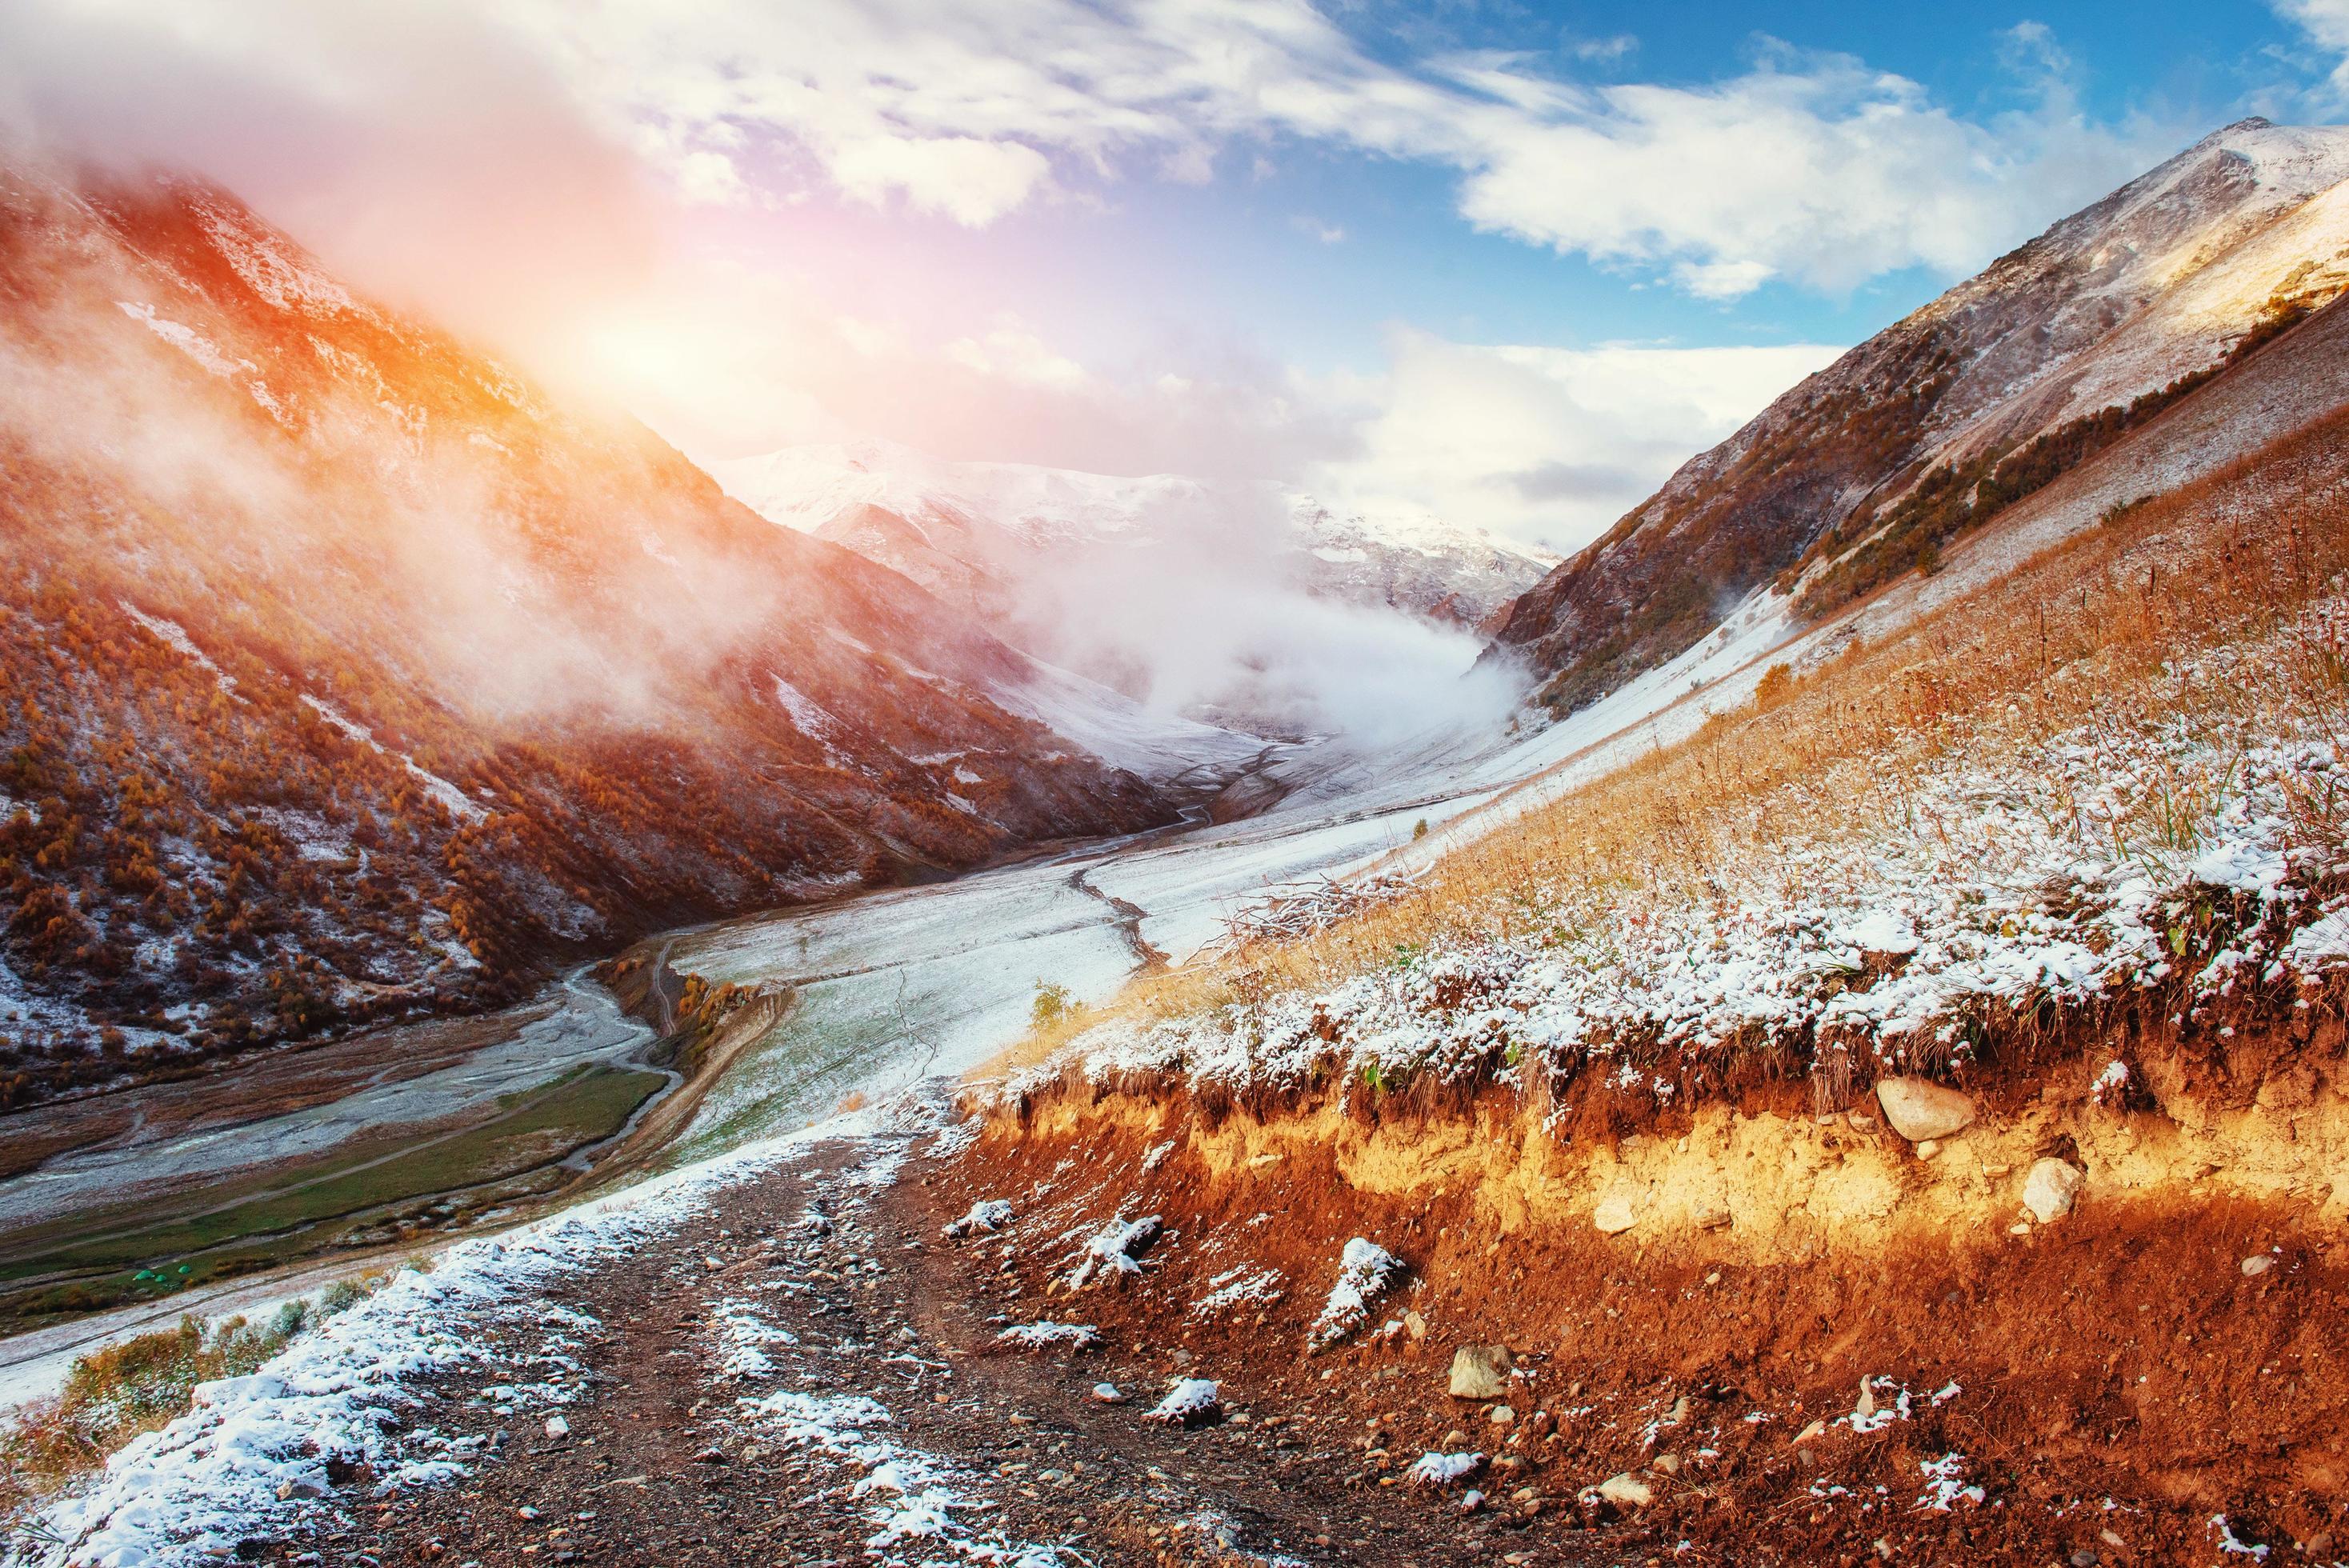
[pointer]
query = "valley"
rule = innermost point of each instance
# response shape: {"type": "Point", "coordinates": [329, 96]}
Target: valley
{"type": "Point", "coordinates": [840, 1005]}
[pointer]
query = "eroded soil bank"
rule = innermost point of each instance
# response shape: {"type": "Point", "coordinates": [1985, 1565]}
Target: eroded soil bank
{"type": "Point", "coordinates": [1809, 1345]}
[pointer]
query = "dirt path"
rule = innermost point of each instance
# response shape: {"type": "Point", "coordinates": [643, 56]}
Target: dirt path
{"type": "Point", "coordinates": [717, 1412]}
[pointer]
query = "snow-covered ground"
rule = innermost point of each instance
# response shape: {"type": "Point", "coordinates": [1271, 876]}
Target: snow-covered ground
{"type": "Point", "coordinates": [2140, 848]}
{"type": "Point", "coordinates": [252, 1457]}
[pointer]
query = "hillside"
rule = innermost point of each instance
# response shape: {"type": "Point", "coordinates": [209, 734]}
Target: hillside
{"type": "Point", "coordinates": [346, 675]}
{"type": "Point", "coordinates": [1874, 466]}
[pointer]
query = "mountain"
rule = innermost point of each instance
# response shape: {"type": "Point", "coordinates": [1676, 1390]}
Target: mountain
{"type": "Point", "coordinates": [1869, 469]}
{"type": "Point", "coordinates": [345, 673]}
{"type": "Point", "coordinates": [988, 534]}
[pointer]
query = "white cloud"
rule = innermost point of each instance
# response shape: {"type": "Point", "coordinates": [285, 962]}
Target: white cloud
{"type": "Point", "coordinates": [1809, 167]}
{"type": "Point", "coordinates": [1013, 352]}
{"type": "Point", "coordinates": [1548, 445]}
{"type": "Point", "coordinates": [2326, 22]}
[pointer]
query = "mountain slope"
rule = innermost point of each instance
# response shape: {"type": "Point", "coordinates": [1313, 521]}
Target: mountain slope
{"type": "Point", "coordinates": [983, 533]}
{"type": "Point", "coordinates": [344, 674]}
{"type": "Point", "coordinates": [1920, 434]}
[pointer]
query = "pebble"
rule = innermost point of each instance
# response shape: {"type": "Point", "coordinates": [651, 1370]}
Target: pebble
{"type": "Point", "coordinates": [557, 1427]}
{"type": "Point", "coordinates": [2258, 1263]}
{"type": "Point", "coordinates": [1501, 1416]}
{"type": "Point", "coordinates": [1105, 1394]}
{"type": "Point", "coordinates": [1625, 1490]}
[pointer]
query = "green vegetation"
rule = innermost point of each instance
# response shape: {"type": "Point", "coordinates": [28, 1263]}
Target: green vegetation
{"type": "Point", "coordinates": [1948, 502]}
{"type": "Point", "coordinates": [154, 1247]}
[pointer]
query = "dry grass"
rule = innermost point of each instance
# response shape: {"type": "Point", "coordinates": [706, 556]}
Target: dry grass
{"type": "Point", "coordinates": [139, 1386]}
{"type": "Point", "coordinates": [2098, 627]}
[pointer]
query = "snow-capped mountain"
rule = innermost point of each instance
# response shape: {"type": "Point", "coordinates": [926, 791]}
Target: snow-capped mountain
{"type": "Point", "coordinates": [977, 530]}
{"type": "Point", "coordinates": [345, 673]}
{"type": "Point", "coordinates": [1925, 432]}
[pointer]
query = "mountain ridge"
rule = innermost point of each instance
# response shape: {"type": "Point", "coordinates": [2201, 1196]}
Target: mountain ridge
{"type": "Point", "coordinates": [345, 675]}
{"type": "Point", "coordinates": [2124, 303]}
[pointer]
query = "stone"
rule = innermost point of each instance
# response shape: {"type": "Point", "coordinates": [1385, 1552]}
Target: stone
{"type": "Point", "coordinates": [1625, 1490]}
{"type": "Point", "coordinates": [2049, 1188]}
{"type": "Point", "coordinates": [1861, 1121]}
{"type": "Point", "coordinates": [1919, 1109]}
{"type": "Point", "coordinates": [1867, 1405]}
{"type": "Point", "coordinates": [1414, 1325]}
{"type": "Point", "coordinates": [2257, 1264]}
{"type": "Point", "coordinates": [1480, 1372]}
{"type": "Point", "coordinates": [1501, 1416]}
{"type": "Point", "coordinates": [1930, 1148]}
{"type": "Point", "coordinates": [1817, 1429]}
{"type": "Point", "coordinates": [1670, 1464]}
{"type": "Point", "coordinates": [1614, 1213]}
{"type": "Point", "coordinates": [1713, 1217]}
{"type": "Point", "coordinates": [557, 1427]}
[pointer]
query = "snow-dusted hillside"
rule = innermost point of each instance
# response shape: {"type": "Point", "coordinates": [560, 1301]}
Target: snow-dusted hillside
{"type": "Point", "coordinates": [2179, 273]}
{"type": "Point", "coordinates": [346, 675]}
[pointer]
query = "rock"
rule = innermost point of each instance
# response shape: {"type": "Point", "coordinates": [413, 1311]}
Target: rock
{"type": "Point", "coordinates": [2048, 1191]}
{"type": "Point", "coordinates": [1817, 1429]}
{"type": "Point", "coordinates": [1107, 1393]}
{"type": "Point", "coordinates": [1669, 1464]}
{"type": "Point", "coordinates": [1927, 1149]}
{"type": "Point", "coordinates": [1471, 1500]}
{"type": "Point", "coordinates": [557, 1427]}
{"type": "Point", "coordinates": [1615, 1214]}
{"type": "Point", "coordinates": [1501, 1416]}
{"type": "Point", "coordinates": [1625, 1490]}
{"type": "Point", "coordinates": [2257, 1264]}
{"type": "Point", "coordinates": [1455, 1438]}
{"type": "Point", "coordinates": [1867, 1405]}
{"type": "Point", "coordinates": [1480, 1372]}
{"type": "Point", "coordinates": [1414, 1325]}
{"type": "Point", "coordinates": [1713, 1217]}
{"type": "Point", "coordinates": [1861, 1121]}
{"type": "Point", "coordinates": [1919, 1109]}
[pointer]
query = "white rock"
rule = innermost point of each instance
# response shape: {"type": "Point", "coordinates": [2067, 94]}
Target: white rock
{"type": "Point", "coordinates": [2258, 1263]}
{"type": "Point", "coordinates": [2050, 1188]}
{"type": "Point", "coordinates": [1919, 1109]}
{"type": "Point", "coordinates": [557, 1427]}
{"type": "Point", "coordinates": [1480, 1372]}
{"type": "Point", "coordinates": [1614, 1213]}
{"type": "Point", "coordinates": [1501, 1415]}
{"type": "Point", "coordinates": [1625, 1490]}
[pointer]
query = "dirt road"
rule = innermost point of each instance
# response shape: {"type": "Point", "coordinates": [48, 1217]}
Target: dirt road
{"type": "Point", "coordinates": [806, 1374]}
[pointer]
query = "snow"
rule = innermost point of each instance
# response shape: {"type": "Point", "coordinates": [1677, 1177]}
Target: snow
{"type": "Point", "coordinates": [1366, 1271]}
{"type": "Point", "coordinates": [1242, 1287]}
{"type": "Point", "coordinates": [1044, 1334]}
{"type": "Point", "coordinates": [985, 1214]}
{"type": "Point", "coordinates": [186, 339]}
{"type": "Point", "coordinates": [1115, 729]}
{"type": "Point", "coordinates": [1436, 1469]}
{"type": "Point", "coordinates": [915, 1502]}
{"type": "Point", "coordinates": [1189, 1400]}
{"type": "Point", "coordinates": [453, 801]}
{"type": "Point", "coordinates": [1945, 1484]}
{"type": "Point", "coordinates": [1645, 985]}
{"type": "Point", "coordinates": [187, 1493]}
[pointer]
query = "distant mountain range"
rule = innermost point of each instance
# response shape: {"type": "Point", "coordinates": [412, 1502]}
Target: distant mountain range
{"type": "Point", "coordinates": [1918, 438]}
{"type": "Point", "coordinates": [1018, 544]}
{"type": "Point", "coordinates": [346, 674]}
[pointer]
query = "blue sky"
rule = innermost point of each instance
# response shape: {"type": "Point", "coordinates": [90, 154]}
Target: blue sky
{"type": "Point", "coordinates": [1408, 255]}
